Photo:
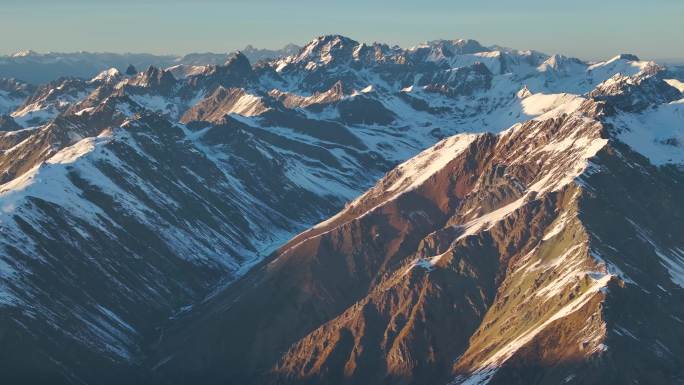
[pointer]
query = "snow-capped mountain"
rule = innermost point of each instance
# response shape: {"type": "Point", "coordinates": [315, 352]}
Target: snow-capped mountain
{"type": "Point", "coordinates": [12, 94]}
{"type": "Point", "coordinates": [258, 54]}
{"type": "Point", "coordinates": [38, 68]}
{"type": "Point", "coordinates": [135, 196]}
{"type": "Point", "coordinates": [548, 253]}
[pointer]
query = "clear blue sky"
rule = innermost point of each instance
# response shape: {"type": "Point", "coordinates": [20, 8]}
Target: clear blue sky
{"type": "Point", "coordinates": [589, 29]}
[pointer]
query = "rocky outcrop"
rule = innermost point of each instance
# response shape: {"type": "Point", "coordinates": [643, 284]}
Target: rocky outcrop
{"type": "Point", "coordinates": [225, 102]}
{"type": "Point", "coordinates": [478, 260]}
{"type": "Point", "coordinates": [635, 93]}
{"type": "Point", "coordinates": [156, 79]}
{"type": "Point", "coordinates": [8, 124]}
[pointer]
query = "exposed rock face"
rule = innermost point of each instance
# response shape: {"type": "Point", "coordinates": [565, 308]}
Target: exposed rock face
{"type": "Point", "coordinates": [225, 102]}
{"type": "Point", "coordinates": [156, 79]}
{"type": "Point", "coordinates": [464, 81]}
{"type": "Point", "coordinates": [636, 93]}
{"type": "Point", "coordinates": [334, 94]}
{"type": "Point", "coordinates": [239, 64]}
{"type": "Point", "coordinates": [235, 72]}
{"type": "Point", "coordinates": [486, 259]}
{"type": "Point", "coordinates": [131, 70]}
{"type": "Point", "coordinates": [8, 124]}
{"type": "Point", "coordinates": [48, 101]}
{"type": "Point", "coordinates": [140, 213]}
{"type": "Point", "coordinates": [16, 88]}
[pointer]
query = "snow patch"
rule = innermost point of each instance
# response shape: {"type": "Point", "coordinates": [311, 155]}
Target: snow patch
{"type": "Point", "coordinates": [657, 133]}
{"type": "Point", "coordinates": [676, 84]}
{"type": "Point", "coordinates": [414, 172]}
{"type": "Point", "coordinates": [552, 105]}
{"type": "Point", "coordinates": [107, 76]}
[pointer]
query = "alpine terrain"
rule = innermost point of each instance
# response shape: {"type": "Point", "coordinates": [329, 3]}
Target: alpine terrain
{"type": "Point", "coordinates": [343, 213]}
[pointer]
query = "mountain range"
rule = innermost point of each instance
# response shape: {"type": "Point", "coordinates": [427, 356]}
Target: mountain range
{"type": "Point", "coordinates": [342, 213]}
{"type": "Point", "coordinates": [36, 68]}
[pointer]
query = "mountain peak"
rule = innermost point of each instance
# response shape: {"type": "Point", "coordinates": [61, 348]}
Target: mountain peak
{"type": "Point", "coordinates": [327, 48]}
{"type": "Point", "coordinates": [255, 54]}
{"type": "Point", "coordinates": [464, 46]}
{"type": "Point", "coordinates": [559, 62]}
{"type": "Point", "coordinates": [24, 53]}
{"type": "Point", "coordinates": [235, 72]}
{"type": "Point", "coordinates": [524, 93]}
{"type": "Point", "coordinates": [449, 48]}
{"type": "Point", "coordinates": [238, 61]}
{"type": "Point", "coordinates": [332, 38]}
{"type": "Point", "coordinates": [107, 76]}
{"type": "Point", "coordinates": [627, 56]}
{"type": "Point", "coordinates": [131, 70]}
{"type": "Point", "coordinates": [156, 78]}
{"type": "Point", "coordinates": [635, 93]}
